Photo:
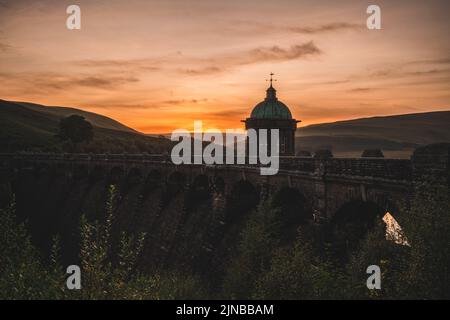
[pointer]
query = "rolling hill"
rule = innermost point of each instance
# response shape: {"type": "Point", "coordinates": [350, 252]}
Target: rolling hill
{"type": "Point", "coordinates": [94, 118]}
{"type": "Point", "coordinates": [396, 135]}
{"type": "Point", "coordinates": [31, 127]}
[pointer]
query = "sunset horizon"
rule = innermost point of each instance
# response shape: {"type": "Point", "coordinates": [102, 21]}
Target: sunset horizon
{"type": "Point", "coordinates": [190, 126]}
{"type": "Point", "coordinates": [167, 64]}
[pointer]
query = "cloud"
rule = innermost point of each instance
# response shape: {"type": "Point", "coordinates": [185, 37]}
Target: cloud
{"type": "Point", "coordinates": [404, 70]}
{"type": "Point", "coordinates": [202, 71]}
{"type": "Point", "coordinates": [430, 61]}
{"type": "Point", "coordinates": [185, 101]}
{"type": "Point", "coordinates": [115, 104]}
{"type": "Point", "coordinates": [255, 27]}
{"type": "Point", "coordinates": [428, 72]}
{"type": "Point", "coordinates": [335, 26]}
{"type": "Point", "coordinates": [102, 82]}
{"type": "Point", "coordinates": [44, 83]}
{"type": "Point", "coordinates": [4, 47]}
{"type": "Point", "coordinates": [361, 89]}
{"type": "Point", "coordinates": [149, 64]}
{"type": "Point", "coordinates": [253, 56]}
{"type": "Point", "coordinates": [232, 114]}
{"type": "Point", "coordinates": [206, 65]}
{"type": "Point", "coordinates": [276, 53]}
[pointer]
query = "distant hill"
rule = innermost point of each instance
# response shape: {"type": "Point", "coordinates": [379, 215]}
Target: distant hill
{"type": "Point", "coordinates": [397, 135]}
{"type": "Point", "coordinates": [94, 118]}
{"type": "Point", "coordinates": [31, 127]}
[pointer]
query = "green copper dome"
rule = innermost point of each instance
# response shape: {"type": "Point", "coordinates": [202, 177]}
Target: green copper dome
{"type": "Point", "coordinates": [271, 107]}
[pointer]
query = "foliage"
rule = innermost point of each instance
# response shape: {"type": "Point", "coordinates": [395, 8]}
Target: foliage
{"type": "Point", "coordinates": [75, 129]}
{"type": "Point", "coordinates": [372, 153]}
{"type": "Point", "coordinates": [375, 250]}
{"type": "Point", "coordinates": [300, 271]}
{"type": "Point", "coordinates": [427, 274]}
{"type": "Point", "coordinates": [264, 264]}
{"type": "Point", "coordinates": [295, 273]}
{"type": "Point", "coordinates": [323, 154]}
{"type": "Point", "coordinates": [258, 240]}
{"type": "Point", "coordinates": [24, 275]}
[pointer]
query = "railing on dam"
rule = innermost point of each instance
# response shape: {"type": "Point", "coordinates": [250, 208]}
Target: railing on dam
{"type": "Point", "coordinates": [394, 169]}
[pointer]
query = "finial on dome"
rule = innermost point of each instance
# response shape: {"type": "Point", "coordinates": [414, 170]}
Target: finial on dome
{"type": "Point", "coordinates": [271, 92]}
{"type": "Point", "coordinates": [271, 79]}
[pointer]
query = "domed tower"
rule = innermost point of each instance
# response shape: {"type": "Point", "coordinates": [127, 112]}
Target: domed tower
{"type": "Point", "coordinates": [271, 113]}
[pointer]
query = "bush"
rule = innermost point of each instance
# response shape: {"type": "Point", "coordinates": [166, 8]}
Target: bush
{"type": "Point", "coordinates": [104, 275]}
{"type": "Point", "coordinates": [323, 154]}
{"type": "Point", "coordinates": [258, 239]}
{"type": "Point", "coordinates": [372, 153]}
{"type": "Point", "coordinates": [76, 129]}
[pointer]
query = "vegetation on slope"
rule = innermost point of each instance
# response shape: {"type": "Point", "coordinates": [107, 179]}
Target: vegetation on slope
{"type": "Point", "coordinates": [392, 133]}
{"type": "Point", "coordinates": [265, 265]}
{"type": "Point", "coordinates": [24, 129]}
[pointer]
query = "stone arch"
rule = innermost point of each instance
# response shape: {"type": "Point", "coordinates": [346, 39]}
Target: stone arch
{"type": "Point", "coordinates": [242, 198]}
{"type": "Point", "coordinates": [218, 185]}
{"type": "Point", "coordinates": [360, 211]}
{"type": "Point", "coordinates": [176, 181]}
{"type": "Point", "coordinates": [176, 177]}
{"type": "Point", "coordinates": [62, 168]}
{"type": "Point", "coordinates": [383, 200]}
{"type": "Point", "coordinates": [116, 175]}
{"type": "Point", "coordinates": [201, 182]}
{"type": "Point", "coordinates": [351, 223]}
{"type": "Point", "coordinates": [153, 180]}
{"type": "Point", "coordinates": [135, 176]}
{"type": "Point", "coordinates": [6, 178]}
{"type": "Point", "coordinates": [80, 171]}
{"type": "Point", "coordinates": [293, 205]}
{"type": "Point", "coordinates": [42, 169]}
{"type": "Point", "coordinates": [198, 192]}
{"type": "Point", "coordinates": [97, 173]}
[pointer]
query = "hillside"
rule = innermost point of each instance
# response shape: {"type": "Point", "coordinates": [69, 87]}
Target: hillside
{"type": "Point", "coordinates": [33, 127]}
{"type": "Point", "coordinates": [398, 134]}
{"type": "Point", "coordinates": [29, 127]}
{"type": "Point", "coordinates": [94, 118]}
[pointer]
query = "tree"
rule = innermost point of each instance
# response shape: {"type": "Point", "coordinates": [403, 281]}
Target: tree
{"type": "Point", "coordinates": [107, 272]}
{"type": "Point", "coordinates": [76, 129]}
{"type": "Point", "coordinates": [258, 240]}
{"type": "Point", "coordinates": [372, 153]}
{"type": "Point", "coordinates": [303, 153]}
{"type": "Point", "coordinates": [428, 232]}
{"type": "Point", "coordinates": [375, 249]}
{"type": "Point", "coordinates": [22, 274]}
{"type": "Point", "coordinates": [323, 154]}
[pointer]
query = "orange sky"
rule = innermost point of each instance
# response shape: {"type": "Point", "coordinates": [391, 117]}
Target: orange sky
{"type": "Point", "coordinates": [160, 65]}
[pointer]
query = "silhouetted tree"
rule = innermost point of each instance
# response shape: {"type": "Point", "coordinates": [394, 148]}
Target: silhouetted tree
{"type": "Point", "coordinates": [76, 129]}
{"type": "Point", "coordinates": [323, 154]}
{"type": "Point", "coordinates": [253, 254]}
{"type": "Point", "coordinates": [372, 153]}
{"type": "Point", "coordinates": [303, 153]}
{"type": "Point", "coordinates": [428, 232]}
{"type": "Point", "coordinates": [108, 272]}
